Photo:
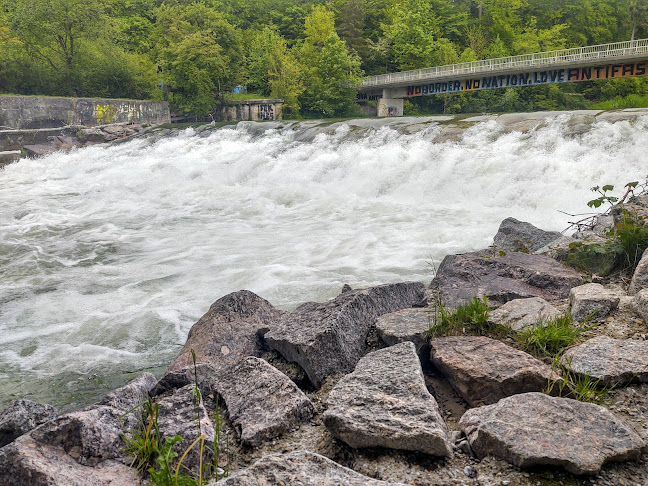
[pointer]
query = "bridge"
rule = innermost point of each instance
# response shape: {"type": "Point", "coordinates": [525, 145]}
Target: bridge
{"type": "Point", "coordinates": [606, 61]}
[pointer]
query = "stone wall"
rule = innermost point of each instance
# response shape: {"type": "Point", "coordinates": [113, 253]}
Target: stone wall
{"type": "Point", "coordinates": [25, 112]}
{"type": "Point", "coordinates": [252, 110]}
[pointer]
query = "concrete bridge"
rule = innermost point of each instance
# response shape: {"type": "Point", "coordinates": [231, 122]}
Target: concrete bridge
{"type": "Point", "coordinates": [606, 61]}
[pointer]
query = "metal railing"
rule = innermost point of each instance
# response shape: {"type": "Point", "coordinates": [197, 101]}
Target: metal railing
{"type": "Point", "coordinates": [577, 54]}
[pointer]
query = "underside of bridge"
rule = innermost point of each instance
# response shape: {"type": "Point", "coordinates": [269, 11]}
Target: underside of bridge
{"type": "Point", "coordinates": [607, 61]}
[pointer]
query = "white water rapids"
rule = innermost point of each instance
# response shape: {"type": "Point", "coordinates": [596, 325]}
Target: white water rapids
{"type": "Point", "coordinates": [109, 254]}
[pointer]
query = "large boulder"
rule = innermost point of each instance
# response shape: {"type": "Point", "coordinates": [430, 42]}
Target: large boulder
{"type": "Point", "coordinates": [405, 325]}
{"type": "Point", "coordinates": [301, 468]}
{"type": "Point", "coordinates": [483, 370]}
{"type": "Point", "coordinates": [514, 235]}
{"type": "Point", "coordinates": [262, 403]}
{"type": "Point", "coordinates": [519, 314]}
{"type": "Point", "coordinates": [612, 361]}
{"type": "Point", "coordinates": [534, 429]}
{"type": "Point", "coordinates": [640, 304]}
{"type": "Point", "coordinates": [231, 330]}
{"type": "Point", "coordinates": [384, 403]}
{"type": "Point", "coordinates": [21, 416]}
{"type": "Point", "coordinates": [502, 278]}
{"type": "Point", "coordinates": [183, 414]}
{"type": "Point", "coordinates": [640, 277]}
{"type": "Point", "coordinates": [593, 300]}
{"type": "Point", "coordinates": [329, 338]}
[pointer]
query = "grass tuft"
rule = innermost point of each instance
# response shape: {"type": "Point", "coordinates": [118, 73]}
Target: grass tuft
{"type": "Point", "coordinates": [551, 336]}
{"type": "Point", "coordinates": [470, 318]}
{"type": "Point", "coordinates": [571, 385]}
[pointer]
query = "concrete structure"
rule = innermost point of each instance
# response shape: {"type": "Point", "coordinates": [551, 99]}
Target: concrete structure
{"type": "Point", "coordinates": [252, 110]}
{"type": "Point", "coordinates": [607, 61]}
{"type": "Point", "coordinates": [31, 112]}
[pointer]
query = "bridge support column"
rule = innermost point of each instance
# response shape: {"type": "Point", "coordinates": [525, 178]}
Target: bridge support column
{"type": "Point", "coordinates": [390, 106]}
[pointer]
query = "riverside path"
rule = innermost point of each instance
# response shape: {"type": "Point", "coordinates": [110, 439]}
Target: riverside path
{"type": "Point", "coordinates": [606, 61]}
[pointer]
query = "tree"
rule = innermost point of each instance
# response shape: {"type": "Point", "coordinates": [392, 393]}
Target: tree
{"type": "Point", "coordinates": [285, 77]}
{"type": "Point", "coordinates": [331, 73]}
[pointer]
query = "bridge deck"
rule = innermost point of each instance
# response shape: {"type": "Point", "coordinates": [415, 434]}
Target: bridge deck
{"type": "Point", "coordinates": [580, 56]}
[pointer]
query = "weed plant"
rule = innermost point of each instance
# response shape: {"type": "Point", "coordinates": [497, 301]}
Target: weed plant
{"type": "Point", "coordinates": [571, 385]}
{"type": "Point", "coordinates": [550, 336]}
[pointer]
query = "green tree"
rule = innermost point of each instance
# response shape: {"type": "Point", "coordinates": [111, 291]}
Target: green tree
{"type": "Point", "coordinates": [285, 77]}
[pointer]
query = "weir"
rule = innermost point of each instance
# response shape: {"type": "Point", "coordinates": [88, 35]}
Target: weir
{"type": "Point", "coordinates": [605, 61]}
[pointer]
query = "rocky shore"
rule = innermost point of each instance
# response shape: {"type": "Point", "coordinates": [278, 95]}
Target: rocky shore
{"type": "Point", "coordinates": [358, 391]}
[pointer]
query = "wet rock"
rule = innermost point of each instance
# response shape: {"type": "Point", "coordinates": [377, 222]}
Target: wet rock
{"type": "Point", "coordinates": [233, 329]}
{"type": "Point", "coordinates": [519, 314]}
{"type": "Point", "coordinates": [329, 338]}
{"type": "Point", "coordinates": [262, 402]}
{"type": "Point", "coordinates": [640, 304]}
{"type": "Point", "coordinates": [483, 370]}
{"type": "Point", "coordinates": [184, 415]}
{"type": "Point", "coordinates": [640, 277]}
{"type": "Point", "coordinates": [592, 300]}
{"type": "Point", "coordinates": [21, 416]}
{"type": "Point", "coordinates": [514, 275]}
{"type": "Point", "coordinates": [535, 429]}
{"type": "Point", "coordinates": [384, 403]}
{"type": "Point", "coordinates": [514, 235]}
{"type": "Point", "coordinates": [301, 468]}
{"type": "Point", "coordinates": [614, 362]}
{"type": "Point", "coordinates": [405, 325]}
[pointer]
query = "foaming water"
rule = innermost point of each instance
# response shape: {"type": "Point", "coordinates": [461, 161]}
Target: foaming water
{"type": "Point", "coordinates": [109, 254]}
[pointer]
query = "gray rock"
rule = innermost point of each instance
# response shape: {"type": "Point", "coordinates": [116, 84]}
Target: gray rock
{"type": "Point", "coordinates": [329, 338]}
{"type": "Point", "coordinates": [559, 249]}
{"type": "Point", "coordinates": [612, 361]}
{"type": "Point", "coordinates": [384, 403]}
{"type": "Point", "coordinates": [514, 275]}
{"type": "Point", "coordinates": [517, 235]}
{"type": "Point", "coordinates": [301, 468]}
{"type": "Point", "coordinates": [534, 429]}
{"type": "Point", "coordinates": [184, 415]}
{"type": "Point", "coordinates": [21, 416]}
{"type": "Point", "coordinates": [262, 403]}
{"type": "Point", "coordinates": [640, 304]}
{"type": "Point", "coordinates": [132, 394]}
{"type": "Point", "coordinates": [640, 277]}
{"type": "Point", "coordinates": [405, 325]}
{"type": "Point", "coordinates": [483, 370]}
{"type": "Point", "coordinates": [519, 314]}
{"type": "Point", "coordinates": [233, 329]}
{"type": "Point", "coordinates": [592, 299]}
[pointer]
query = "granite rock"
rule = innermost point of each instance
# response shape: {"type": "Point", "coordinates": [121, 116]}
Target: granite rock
{"type": "Point", "coordinates": [405, 325]}
{"type": "Point", "coordinates": [483, 370]}
{"type": "Point", "coordinates": [384, 403]}
{"type": "Point", "coordinates": [592, 299]}
{"type": "Point", "coordinates": [518, 314]}
{"type": "Point", "coordinates": [534, 429]}
{"type": "Point", "coordinates": [301, 468]}
{"type": "Point", "coordinates": [614, 362]}
{"type": "Point", "coordinates": [329, 338]}
{"type": "Point", "coordinates": [640, 277]}
{"type": "Point", "coordinates": [21, 416]}
{"type": "Point", "coordinates": [514, 235]}
{"type": "Point", "coordinates": [640, 304]}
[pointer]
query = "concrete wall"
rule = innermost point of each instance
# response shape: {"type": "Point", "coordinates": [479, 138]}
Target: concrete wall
{"type": "Point", "coordinates": [253, 110]}
{"type": "Point", "coordinates": [49, 112]}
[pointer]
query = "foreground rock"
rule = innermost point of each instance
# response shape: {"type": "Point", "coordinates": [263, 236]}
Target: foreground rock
{"type": "Point", "coordinates": [231, 330]}
{"type": "Point", "coordinates": [514, 235]}
{"type": "Point", "coordinates": [640, 277]}
{"type": "Point", "coordinates": [300, 468]}
{"type": "Point", "coordinates": [515, 275]}
{"type": "Point", "coordinates": [614, 362]}
{"type": "Point", "coordinates": [536, 429]}
{"type": "Point", "coordinates": [483, 370]}
{"type": "Point", "coordinates": [593, 300]}
{"type": "Point", "coordinates": [519, 314]}
{"type": "Point", "coordinates": [329, 338]}
{"type": "Point", "coordinates": [262, 402]}
{"type": "Point", "coordinates": [79, 448]}
{"type": "Point", "coordinates": [21, 416]}
{"type": "Point", "coordinates": [384, 403]}
{"type": "Point", "coordinates": [405, 325]}
{"type": "Point", "coordinates": [640, 304]}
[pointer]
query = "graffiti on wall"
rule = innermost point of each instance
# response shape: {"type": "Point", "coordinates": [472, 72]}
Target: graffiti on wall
{"type": "Point", "coordinates": [551, 76]}
{"type": "Point", "coordinates": [266, 112]}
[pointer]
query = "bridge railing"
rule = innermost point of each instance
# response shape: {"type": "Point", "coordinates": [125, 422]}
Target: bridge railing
{"type": "Point", "coordinates": [589, 53]}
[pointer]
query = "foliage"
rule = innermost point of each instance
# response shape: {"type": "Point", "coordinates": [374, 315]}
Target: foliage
{"type": "Point", "coordinates": [470, 318]}
{"type": "Point", "coordinates": [551, 336]}
{"type": "Point", "coordinates": [572, 385]}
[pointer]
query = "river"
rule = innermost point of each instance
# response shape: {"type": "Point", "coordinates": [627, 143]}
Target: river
{"type": "Point", "coordinates": [109, 254]}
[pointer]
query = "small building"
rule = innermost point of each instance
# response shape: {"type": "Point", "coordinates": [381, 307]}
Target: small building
{"type": "Point", "coordinates": [252, 110]}
{"type": "Point", "coordinates": [239, 89]}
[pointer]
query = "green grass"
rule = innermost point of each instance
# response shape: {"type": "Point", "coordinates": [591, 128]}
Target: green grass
{"type": "Point", "coordinates": [246, 96]}
{"type": "Point", "coordinates": [551, 336]}
{"type": "Point", "coordinates": [571, 385]}
{"type": "Point", "coordinates": [470, 318]}
{"type": "Point", "coordinates": [623, 102]}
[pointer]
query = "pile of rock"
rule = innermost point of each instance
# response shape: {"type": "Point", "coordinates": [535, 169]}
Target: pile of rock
{"type": "Point", "coordinates": [358, 398]}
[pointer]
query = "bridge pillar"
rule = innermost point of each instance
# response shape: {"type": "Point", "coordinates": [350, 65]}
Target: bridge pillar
{"type": "Point", "coordinates": [389, 105]}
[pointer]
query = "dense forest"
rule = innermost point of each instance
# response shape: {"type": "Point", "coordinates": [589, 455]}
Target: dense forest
{"type": "Point", "coordinates": [311, 53]}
